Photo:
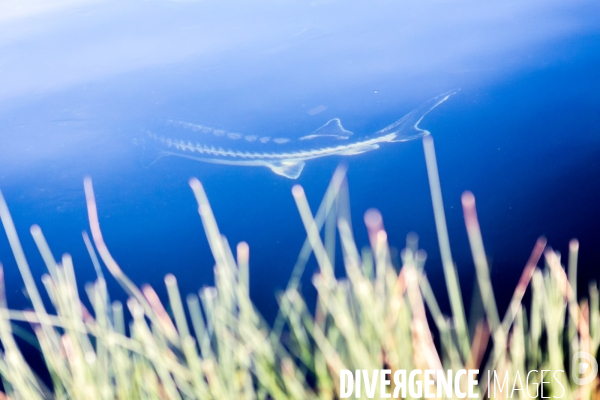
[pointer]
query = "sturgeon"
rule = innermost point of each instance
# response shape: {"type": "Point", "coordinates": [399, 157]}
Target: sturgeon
{"type": "Point", "coordinates": [284, 156]}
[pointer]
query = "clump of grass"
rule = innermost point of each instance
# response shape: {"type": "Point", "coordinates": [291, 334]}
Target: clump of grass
{"type": "Point", "coordinates": [374, 317]}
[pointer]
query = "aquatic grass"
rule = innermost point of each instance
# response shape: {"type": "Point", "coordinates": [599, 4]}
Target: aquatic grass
{"type": "Point", "coordinates": [214, 344]}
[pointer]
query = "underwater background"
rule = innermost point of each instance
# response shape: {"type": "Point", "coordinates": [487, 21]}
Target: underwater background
{"type": "Point", "coordinates": [81, 82]}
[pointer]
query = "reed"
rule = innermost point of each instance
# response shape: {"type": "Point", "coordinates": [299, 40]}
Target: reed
{"type": "Point", "coordinates": [216, 345]}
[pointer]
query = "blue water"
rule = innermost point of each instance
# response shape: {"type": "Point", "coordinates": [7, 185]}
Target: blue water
{"type": "Point", "coordinates": [79, 84]}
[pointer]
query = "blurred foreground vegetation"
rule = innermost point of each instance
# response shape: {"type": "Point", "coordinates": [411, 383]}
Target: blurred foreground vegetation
{"type": "Point", "coordinates": [217, 346]}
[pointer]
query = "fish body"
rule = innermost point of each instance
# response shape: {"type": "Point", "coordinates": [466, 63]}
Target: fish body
{"type": "Point", "coordinates": [284, 156]}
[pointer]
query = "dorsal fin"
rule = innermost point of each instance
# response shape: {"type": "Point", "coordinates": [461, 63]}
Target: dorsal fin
{"type": "Point", "coordinates": [333, 128]}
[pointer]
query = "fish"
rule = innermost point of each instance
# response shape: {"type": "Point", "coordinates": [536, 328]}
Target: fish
{"type": "Point", "coordinates": [283, 155]}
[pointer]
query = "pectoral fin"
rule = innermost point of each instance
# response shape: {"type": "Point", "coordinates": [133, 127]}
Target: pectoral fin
{"type": "Point", "coordinates": [289, 169]}
{"type": "Point", "coordinates": [148, 154]}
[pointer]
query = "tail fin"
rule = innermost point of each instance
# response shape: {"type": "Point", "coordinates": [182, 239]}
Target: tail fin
{"type": "Point", "coordinates": [407, 128]}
